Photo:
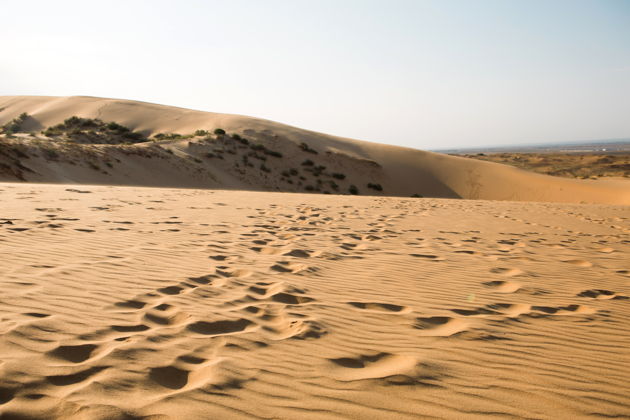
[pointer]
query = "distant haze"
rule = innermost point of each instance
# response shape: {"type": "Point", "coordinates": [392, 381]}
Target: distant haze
{"type": "Point", "coordinates": [424, 74]}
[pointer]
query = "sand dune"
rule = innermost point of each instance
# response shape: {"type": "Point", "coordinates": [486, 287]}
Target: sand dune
{"type": "Point", "coordinates": [150, 303]}
{"type": "Point", "coordinates": [397, 171]}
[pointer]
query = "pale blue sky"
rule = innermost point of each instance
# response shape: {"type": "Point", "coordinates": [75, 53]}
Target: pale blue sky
{"type": "Point", "coordinates": [425, 74]}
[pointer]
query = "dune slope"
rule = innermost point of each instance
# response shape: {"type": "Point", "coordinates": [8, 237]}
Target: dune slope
{"type": "Point", "coordinates": [195, 162]}
{"type": "Point", "coordinates": [149, 303]}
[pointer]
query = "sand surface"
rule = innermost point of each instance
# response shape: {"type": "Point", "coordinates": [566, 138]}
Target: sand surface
{"type": "Point", "coordinates": [399, 171]}
{"type": "Point", "coordinates": [129, 302]}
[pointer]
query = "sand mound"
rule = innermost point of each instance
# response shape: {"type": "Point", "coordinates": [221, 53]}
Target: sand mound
{"type": "Point", "coordinates": [277, 157]}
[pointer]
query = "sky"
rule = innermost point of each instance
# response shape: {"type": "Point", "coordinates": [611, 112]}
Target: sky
{"type": "Point", "coordinates": [424, 74]}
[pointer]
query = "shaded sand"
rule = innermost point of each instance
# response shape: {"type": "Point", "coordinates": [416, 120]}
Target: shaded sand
{"type": "Point", "coordinates": [130, 303]}
{"type": "Point", "coordinates": [300, 160]}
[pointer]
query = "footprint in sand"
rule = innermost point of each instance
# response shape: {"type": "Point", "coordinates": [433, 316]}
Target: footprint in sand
{"type": "Point", "coordinates": [75, 378]}
{"type": "Point", "coordinates": [290, 267]}
{"type": "Point", "coordinates": [223, 327]}
{"type": "Point", "coordinates": [601, 294]}
{"type": "Point", "coordinates": [429, 257]}
{"type": "Point", "coordinates": [377, 307]}
{"type": "Point", "coordinates": [166, 315]}
{"type": "Point", "coordinates": [440, 326]}
{"type": "Point", "coordinates": [510, 310]}
{"type": "Point", "coordinates": [375, 366]}
{"type": "Point", "coordinates": [209, 280]}
{"type": "Point", "coordinates": [75, 354]}
{"type": "Point", "coordinates": [277, 325]}
{"type": "Point", "coordinates": [564, 310]}
{"type": "Point", "coordinates": [503, 286]}
{"type": "Point", "coordinates": [268, 250]}
{"type": "Point", "coordinates": [186, 372]}
{"type": "Point", "coordinates": [233, 272]}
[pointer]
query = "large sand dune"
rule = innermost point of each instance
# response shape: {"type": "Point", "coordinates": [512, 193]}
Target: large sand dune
{"type": "Point", "coordinates": [400, 171]}
{"type": "Point", "coordinates": [149, 303]}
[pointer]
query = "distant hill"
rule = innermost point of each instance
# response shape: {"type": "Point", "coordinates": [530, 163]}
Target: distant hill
{"type": "Point", "coordinates": [121, 142]}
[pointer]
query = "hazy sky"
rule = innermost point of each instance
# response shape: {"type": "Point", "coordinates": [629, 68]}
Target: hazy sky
{"type": "Point", "coordinates": [426, 74]}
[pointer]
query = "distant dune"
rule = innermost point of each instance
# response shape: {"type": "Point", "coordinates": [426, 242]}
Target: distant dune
{"type": "Point", "coordinates": [274, 157]}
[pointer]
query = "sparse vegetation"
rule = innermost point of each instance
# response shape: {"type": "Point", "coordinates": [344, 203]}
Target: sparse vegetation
{"type": "Point", "coordinates": [15, 125]}
{"type": "Point", "coordinates": [95, 131]}
{"type": "Point", "coordinates": [305, 147]}
{"type": "Point", "coordinates": [172, 136]}
{"type": "Point", "coordinates": [570, 165]}
{"type": "Point", "coordinates": [353, 190]}
{"type": "Point", "coordinates": [273, 153]}
{"type": "Point", "coordinates": [200, 133]}
{"type": "Point", "coordinates": [308, 162]}
{"type": "Point", "coordinates": [338, 175]}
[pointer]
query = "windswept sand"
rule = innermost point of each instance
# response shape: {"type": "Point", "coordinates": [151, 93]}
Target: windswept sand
{"type": "Point", "coordinates": [128, 303]}
{"type": "Point", "coordinates": [400, 171]}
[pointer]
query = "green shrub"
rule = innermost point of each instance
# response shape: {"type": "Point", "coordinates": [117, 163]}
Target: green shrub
{"type": "Point", "coordinates": [337, 175]}
{"type": "Point", "coordinates": [199, 133]}
{"type": "Point", "coordinates": [305, 147]}
{"type": "Point", "coordinates": [273, 153]}
{"type": "Point", "coordinates": [353, 190]}
{"type": "Point", "coordinates": [114, 126]}
{"type": "Point", "coordinates": [15, 125]}
{"type": "Point", "coordinates": [376, 187]}
{"type": "Point", "coordinates": [308, 162]}
{"type": "Point", "coordinates": [219, 131]}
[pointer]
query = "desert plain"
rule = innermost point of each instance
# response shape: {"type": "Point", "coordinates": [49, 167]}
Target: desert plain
{"type": "Point", "coordinates": [150, 290]}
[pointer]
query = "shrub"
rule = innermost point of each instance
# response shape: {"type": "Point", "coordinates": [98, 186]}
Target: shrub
{"type": "Point", "coordinates": [201, 133]}
{"type": "Point", "coordinates": [376, 187]}
{"type": "Point", "coordinates": [273, 153]}
{"type": "Point", "coordinates": [114, 126]}
{"type": "Point", "coordinates": [264, 168]}
{"type": "Point", "coordinates": [15, 124]}
{"type": "Point", "coordinates": [416, 195]}
{"type": "Point", "coordinates": [170, 136]}
{"type": "Point", "coordinates": [50, 154]}
{"type": "Point", "coordinates": [236, 136]}
{"type": "Point", "coordinates": [353, 190]}
{"type": "Point", "coordinates": [219, 131]}
{"type": "Point", "coordinates": [133, 135]}
{"type": "Point", "coordinates": [309, 188]}
{"type": "Point", "coordinates": [308, 162]}
{"type": "Point", "coordinates": [305, 147]}
{"type": "Point", "coordinates": [293, 171]}
{"type": "Point", "coordinates": [337, 175]}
